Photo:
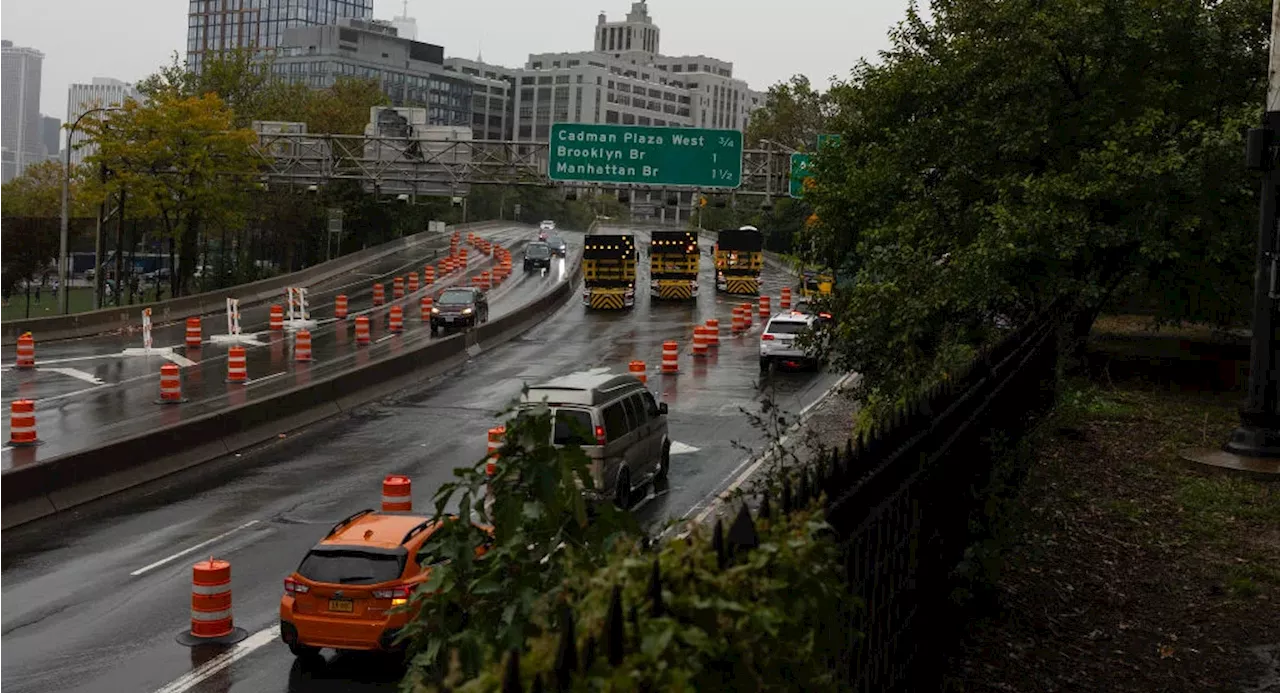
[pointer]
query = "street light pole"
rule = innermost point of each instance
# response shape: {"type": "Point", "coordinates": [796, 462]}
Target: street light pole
{"type": "Point", "coordinates": [1259, 432]}
{"type": "Point", "coordinates": [64, 298]}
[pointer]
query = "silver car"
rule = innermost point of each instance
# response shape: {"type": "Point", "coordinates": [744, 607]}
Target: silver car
{"type": "Point", "coordinates": [617, 423]}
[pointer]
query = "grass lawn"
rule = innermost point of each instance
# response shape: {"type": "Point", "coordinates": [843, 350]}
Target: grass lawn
{"type": "Point", "coordinates": [80, 301]}
{"type": "Point", "coordinates": [1127, 569]}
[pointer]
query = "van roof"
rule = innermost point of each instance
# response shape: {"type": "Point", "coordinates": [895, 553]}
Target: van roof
{"type": "Point", "coordinates": [583, 388]}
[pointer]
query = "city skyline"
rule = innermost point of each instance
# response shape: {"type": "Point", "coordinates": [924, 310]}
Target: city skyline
{"type": "Point", "coordinates": [822, 40]}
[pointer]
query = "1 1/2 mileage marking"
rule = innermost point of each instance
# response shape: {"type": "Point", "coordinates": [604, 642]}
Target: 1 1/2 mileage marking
{"type": "Point", "coordinates": [695, 157]}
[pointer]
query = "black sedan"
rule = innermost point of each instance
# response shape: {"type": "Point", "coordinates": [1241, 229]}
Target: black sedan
{"type": "Point", "coordinates": [558, 246]}
{"type": "Point", "coordinates": [537, 256]}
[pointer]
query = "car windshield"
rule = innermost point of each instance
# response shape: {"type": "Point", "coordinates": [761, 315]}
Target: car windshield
{"type": "Point", "coordinates": [351, 566]}
{"type": "Point", "coordinates": [786, 327]}
{"type": "Point", "coordinates": [538, 251]}
{"type": "Point", "coordinates": [555, 241]}
{"type": "Point", "coordinates": [456, 297]}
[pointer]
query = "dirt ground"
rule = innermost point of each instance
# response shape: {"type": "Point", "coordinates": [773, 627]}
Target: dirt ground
{"type": "Point", "coordinates": [1126, 568]}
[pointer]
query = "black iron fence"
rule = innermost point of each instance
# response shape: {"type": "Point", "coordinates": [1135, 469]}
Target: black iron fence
{"type": "Point", "coordinates": [907, 502]}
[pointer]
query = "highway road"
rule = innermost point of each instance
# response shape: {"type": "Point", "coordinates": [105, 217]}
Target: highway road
{"type": "Point", "coordinates": [120, 401]}
{"type": "Point", "coordinates": [93, 600]}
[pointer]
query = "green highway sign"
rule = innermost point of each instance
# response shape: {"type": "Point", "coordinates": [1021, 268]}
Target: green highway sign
{"type": "Point", "coordinates": [823, 139]}
{"type": "Point", "coordinates": [697, 157]}
{"type": "Point", "coordinates": [799, 172]}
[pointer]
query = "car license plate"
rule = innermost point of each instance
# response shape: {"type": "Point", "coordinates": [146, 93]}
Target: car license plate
{"type": "Point", "coordinates": [342, 605]}
{"type": "Point", "coordinates": [449, 319]}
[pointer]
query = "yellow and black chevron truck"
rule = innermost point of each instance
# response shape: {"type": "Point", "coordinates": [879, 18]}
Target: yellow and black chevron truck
{"type": "Point", "coordinates": [739, 261]}
{"type": "Point", "coordinates": [673, 265]}
{"type": "Point", "coordinates": [609, 271]}
{"type": "Point", "coordinates": [816, 283]}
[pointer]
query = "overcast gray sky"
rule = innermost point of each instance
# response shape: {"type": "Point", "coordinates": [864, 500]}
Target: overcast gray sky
{"type": "Point", "coordinates": [766, 41]}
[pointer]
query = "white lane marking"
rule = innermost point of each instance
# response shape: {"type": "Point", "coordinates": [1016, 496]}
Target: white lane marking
{"type": "Point", "coordinates": [718, 498]}
{"type": "Point", "coordinates": [77, 374]}
{"type": "Point", "coordinates": [383, 338]}
{"type": "Point", "coordinates": [266, 378]}
{"type": "Point", "coordinates": [143, 351]}
{"type": "Point", "coordinates": [70, 359]}
{"type": "Point", "coordinates": [678, 448]}
{"type": "Point", "coordinates": [180, 360]}
{"type": "Point", "coordinates": [197, 547]}
{"type": "Point", "coordinates": [237, 652]}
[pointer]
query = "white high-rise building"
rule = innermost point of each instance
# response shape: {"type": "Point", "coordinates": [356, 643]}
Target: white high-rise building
{"type": "Point", "coordinates": [102, 91]}
{"type": "Point", "coordinates": [623, 80]}
{"type": "Point", "coordinates": [406, 26]}
{"type": "Point", "coordinates": [22, 138]}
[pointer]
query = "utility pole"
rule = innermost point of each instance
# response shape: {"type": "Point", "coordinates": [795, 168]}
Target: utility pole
{"type": "Point", "coordinates": [1259, 432]}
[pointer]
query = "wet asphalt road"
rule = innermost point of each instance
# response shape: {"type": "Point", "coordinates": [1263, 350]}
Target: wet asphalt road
{"type": "Point", "coordinates": [124, 403]}
{"type": "Point", "coordinates": [89, 604]}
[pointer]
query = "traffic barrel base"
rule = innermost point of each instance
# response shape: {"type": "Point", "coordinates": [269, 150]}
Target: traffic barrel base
{"type": "Point", "coordinates": [211, 622]}
{"type": "Point", "coordinates": [26, 352]}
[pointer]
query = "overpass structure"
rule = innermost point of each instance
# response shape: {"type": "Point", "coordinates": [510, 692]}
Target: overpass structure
{"type": "Point", "coordinates": [448, 167]}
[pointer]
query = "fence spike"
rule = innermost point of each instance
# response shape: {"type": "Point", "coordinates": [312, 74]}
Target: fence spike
{"type": "Point", "coordinates": [588, 653]}
{"type": "Point", "coordinates": [717, 543]}
{"type": "Point", "coordinates": [655, 590]}
{"type": "Point", "coordinates": [786, 494]}
{"type": "Point", "coordinates": [742, 533]}
{"type": "Point", "coordinates": [566, 650]}
{"type": "Point", "coordinates": [511, 673]}
{"type": "Point", "coordinates": [615, 633]}
{"type": "Point", "coordinates": [766, 510]}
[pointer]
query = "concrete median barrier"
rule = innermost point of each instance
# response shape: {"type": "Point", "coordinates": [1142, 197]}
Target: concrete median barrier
{"type": "Point", "coordinates": [95, 322]}
{"type": "Point", "coordinates": [61, 483]}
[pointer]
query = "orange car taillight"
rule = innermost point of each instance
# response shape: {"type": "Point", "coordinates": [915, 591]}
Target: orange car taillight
{"type": "Point", "coordinates": [292, 586]}
{"type": "Point", "coordinates": [398, 595]}
{"type": "Point", "coordinates": [767, 337]}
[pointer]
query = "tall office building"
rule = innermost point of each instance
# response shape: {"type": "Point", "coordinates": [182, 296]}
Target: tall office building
{"type": "Point", "coordinates": [102, 91]}
{"type": "Point", "coordinates": [218, 25]}
{"type": "Point", "coordinates": [51, 133]}
{"type": "Point", "coordinates": [21, 139]}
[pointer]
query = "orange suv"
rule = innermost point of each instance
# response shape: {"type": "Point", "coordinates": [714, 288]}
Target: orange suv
{"type": "Point", "coordinates": [343, 593]}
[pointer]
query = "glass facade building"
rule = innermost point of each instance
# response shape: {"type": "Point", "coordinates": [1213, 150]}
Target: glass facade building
{"type": "Point", "coordinates": [218, 25]}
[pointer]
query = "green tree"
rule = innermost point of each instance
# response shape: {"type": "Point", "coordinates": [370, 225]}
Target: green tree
{"type": "Point", "coordinates": [343, 109]}
{"type": "Point", "coordinates": [243, 82]}
{"type": "Point", "coordinates": [793, 115]}
{"type": "Point", "coordinates": [1008, 155]}
{"type": "Point", "coordinates": [182, 160]}
{"type": "Point", "coordinates": [38, 193]}
{"type": "Point", "coordinates": [475, 607]}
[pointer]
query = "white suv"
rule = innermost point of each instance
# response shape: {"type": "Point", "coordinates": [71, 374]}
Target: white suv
{"type": "Point", "coordinates": [778, 341]}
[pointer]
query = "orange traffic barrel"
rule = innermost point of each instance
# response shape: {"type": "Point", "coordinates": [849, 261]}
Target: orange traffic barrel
{"type": "Point", "coordinates": [26, 352]}
{"type": "Point", "coordinates": [712, 332]}
{"type": "Point", "coordinates": [237, 365]}
{"type": "Point", "coordinates": [746, 315]}
{"type": "Point", "coordinates": [785, 301]}
{"type": "Point", "coordinates": [362, 330]}
{"type": "Point", "coordinates": [699, 341]}
{"type": "Point", "coordinates": [429, 275]}
{"type": "Point", "coordinates": [764, 308]}
{"type": "Point", "coordinates": [462, 256]}
{"type": "Point", "coordinates": [302, 345]}
{"type": "Point", "coordinates": [397, 287]}
{"type": "Point", "coordinates": [739, 323]}
{"type": "Point", "coordinates": [395, 321]}
{"type": "Point", "coordinates": [670, 356]}
{"type": "Point", "coordinates": [496, 435]}
{"type": "Point", "coordinates": [413, 282]}
{"type": "Point", "coordinates": [277, 317]}
{"type": "Point", "coordinates": [170, 385]}
{"type": "Point", "coordinates": [379, 295]}
{"type": "Point", "coordinates": [426, 308]}
{"type": "Point", "coordinates": [193, 333]}
{"type": "Point", "coordinates": [22, 423]}
{"type": "Point", "coordinates": [340, 307]}
{"type": "Point", "coordinates": [211, 599]}
{"type": "Point", "coordinates": [637, 369]}
{"type": "Point", "coordinates": [396, 494]}
{"type": "Point", "coordinates": [446, 265]}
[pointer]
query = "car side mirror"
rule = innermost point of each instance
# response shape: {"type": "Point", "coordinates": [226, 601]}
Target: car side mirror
{"type": "Point", "coordinates": [662, 408]}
